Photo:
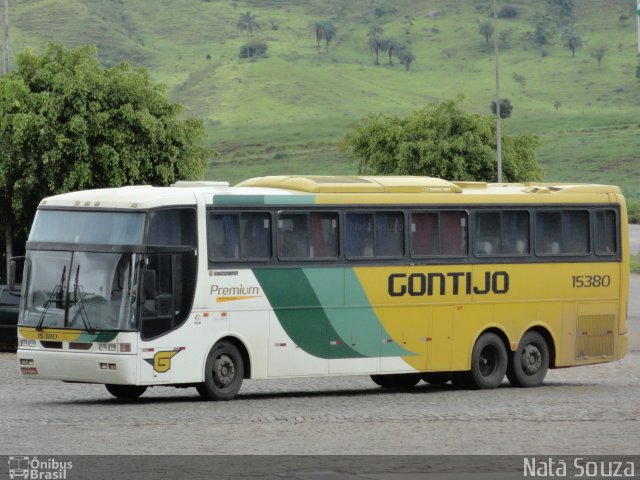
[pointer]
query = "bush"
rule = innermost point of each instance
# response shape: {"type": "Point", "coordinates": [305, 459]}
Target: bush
{"type": "Point", "coordinates": [508, 11]}
{"type": "Point", "coordinates": [253, 50]}
{"type": "Point", "coordinates": [633, 210]}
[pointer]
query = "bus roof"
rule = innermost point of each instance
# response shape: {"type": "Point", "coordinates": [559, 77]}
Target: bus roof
{"type": "Point", "coordinates": [309, 189]}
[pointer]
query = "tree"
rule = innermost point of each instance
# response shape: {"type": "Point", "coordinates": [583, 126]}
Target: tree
{"type": "Point", "coordinates": [505, 107]}
{"type": "Point", "coordinates": [67, 123]}
{"type": "Point", "coordinates": [391, 47]}
{"type": "Point", "coordinates": [247, 21]}
{"type": "Point", "coordinates": [562, 10]}
{"type": "Point", "coordinates": [487, 29]}
{"type": "Point", "coordinates": [572, 41]}
{"type": "Point", "coordinates": [544, 30]}
{"type": "Point", "coordinates": [326, 31]}
{"type": "Point", "coordinates": [253, 49]}
{"type": "Point", "coordinates": [598, 53]}
{"type": "Point", "coordinates": [329, 33]}
{"type": "Point", "coordinates": [406, 56]}
{"type": "Point", "coordinates": [375, 45]}
{"type": "Point", "coordinates": [441, 140]}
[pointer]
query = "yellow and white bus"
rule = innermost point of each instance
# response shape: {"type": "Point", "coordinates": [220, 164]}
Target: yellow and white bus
{"type": "Point", "coordinates": [400, 278]}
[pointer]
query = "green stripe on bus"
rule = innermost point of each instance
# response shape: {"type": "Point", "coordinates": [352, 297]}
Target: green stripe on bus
{"type": "Point", "coordinates": [300, 313]}
{"type": "Point", "coordinates": [354, 320]}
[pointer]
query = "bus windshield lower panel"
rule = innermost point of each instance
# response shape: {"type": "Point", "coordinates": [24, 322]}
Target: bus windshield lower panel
{"type": "Point", "coordinates": [80, 290]}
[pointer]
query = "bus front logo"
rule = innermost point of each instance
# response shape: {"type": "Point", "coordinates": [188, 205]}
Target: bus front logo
{"type": "Point", "coordinates": [161, 361]}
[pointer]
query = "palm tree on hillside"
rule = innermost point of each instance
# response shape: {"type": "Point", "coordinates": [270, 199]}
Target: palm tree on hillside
{"type": "Point", "coordinates": [391, 47]}
{"type": "Point", "coordinates": [375, 45]}
{"type": "Point", "coordinates": [326, 31]}
{"type": "Point", "coordinates": [406, 57]}
{"type": "Point", "coordinates": [572, 41]}
{"type": "Point", "coordinates": [248, 22]}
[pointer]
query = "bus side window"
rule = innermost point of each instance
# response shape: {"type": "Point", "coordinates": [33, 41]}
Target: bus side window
{"type": "Point", "coordinates": [222, 236]}
{"type": "Point", "coordinates": [359, 235]}
{"type": "Point", "coordinates": [576, 232]}
{"type": "Point", "coordinates": [424, 234]}
{"type": "Point", "coordinates": [324, 235]}
{"type": "Point", "coordinates": [255, 241]}
{"type": "Point", "coordinates": [389, 236]}
{"type": "Point", "coordinates": [453, 233]}
{"type": "Point", "coordinates": [515, 232]}
{"type": "Point", "coordinates": [562, 233]}
{"type": "Point", "coordinates": [548, 232]}
{"type": "Point", "coordinates": [293, 237]}
{"type": "Point", "coordinates": [487, 234]}
{"type": "Point", "coordinates": [605, 232]}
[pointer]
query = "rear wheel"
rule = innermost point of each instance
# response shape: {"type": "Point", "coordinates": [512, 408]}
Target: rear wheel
{"type": "Point", "coordinates": [125, 392]}
{"type": "Point", "coordinates": [489, 362]}
{"type": "Point", "coordinates": [223, 372]}
{"type": "Point", "coordinates": [529, 363]}
{"type": "Point", "coordinates": [396, 380]}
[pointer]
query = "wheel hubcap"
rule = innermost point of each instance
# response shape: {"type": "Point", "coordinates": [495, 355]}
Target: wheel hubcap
{"type": "Point", "coordinates": [531, 359]}
{"type": "Point", "coordinates": [224, 370]}
{"type": "Point", "coordinates": [488, 361]}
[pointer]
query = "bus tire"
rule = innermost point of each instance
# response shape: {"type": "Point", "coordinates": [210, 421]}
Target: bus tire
{"type": "Point", "coordinates": [223, 372]}
{"type": "Point", "coordinates": [125, 392]}
{"type": "Point", "coordinates": [436, 378]}
{"type": "Point", "coordinates": [528, 365]}
{"type": "Point", "coordinates": [489, 362]}
{"type": "Point", "coordinates": [396, 380]}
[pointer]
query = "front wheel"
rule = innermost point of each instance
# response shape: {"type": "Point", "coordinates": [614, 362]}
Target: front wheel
{"type": "Point", "coordinates": [125, 392]}
{"type": "Point", "coordinates": [223, 372]}
{"type": "Point", "coordinates": [529, 363]}
{"type": "Point", "coordinates": [396, 380]}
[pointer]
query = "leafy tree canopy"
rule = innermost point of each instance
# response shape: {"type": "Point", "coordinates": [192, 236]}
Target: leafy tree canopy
{"type": "Point", "coordinates": [67, 123]}
{"type": "Point", "coordinates": [441, 140]}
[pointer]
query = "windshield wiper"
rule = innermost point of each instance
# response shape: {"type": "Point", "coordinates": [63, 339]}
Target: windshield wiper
{"type": "Point", "coordinates": [78, 294]}
{"type": "Point", "coordinates": [56, 296]}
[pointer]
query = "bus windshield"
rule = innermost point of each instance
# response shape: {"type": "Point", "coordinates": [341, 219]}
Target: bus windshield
{"type": "Point", "coordinates": [89, 227]}
{"type": "Point", "coordinates": [80, 290]}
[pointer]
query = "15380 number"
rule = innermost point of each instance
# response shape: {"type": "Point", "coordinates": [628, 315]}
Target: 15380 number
{"type": "Point", "coordinates": [591, 281]}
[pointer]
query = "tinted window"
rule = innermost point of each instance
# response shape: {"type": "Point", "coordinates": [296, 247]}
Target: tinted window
{"type": "Point", "coordinates": [308, 235]}
{"type": "Point", "coordinates": [562, 233]}
{"type": "Point", "coordinates": [93, 227]}
{"type": "Point", "coordinates": [374, 234]}
{"type": "Point", "coordinates": [439, 234]}
{"type": "Point", "coordinates": [239, 236]}
{"type": "Point", "coordinates": [605, 232]}
{"type": "Point", "coordinates": [501, 233]}
{"type": "Point", "coordinates": [173, 227]}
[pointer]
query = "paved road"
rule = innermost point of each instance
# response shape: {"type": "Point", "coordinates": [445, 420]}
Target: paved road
{"type": "Point", "coordinates": [634, 239]}
{"type": "Point", "coordinates": [587, 410]}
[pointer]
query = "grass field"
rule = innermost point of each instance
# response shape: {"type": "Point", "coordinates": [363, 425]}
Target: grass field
{"type": "Point", "coordinates": [286, 113]}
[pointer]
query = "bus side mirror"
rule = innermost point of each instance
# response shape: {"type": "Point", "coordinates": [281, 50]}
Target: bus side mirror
{"type": "Point", "coordinates": [16, 267]}
{"type": "Point", "coordinates": [149, 284]}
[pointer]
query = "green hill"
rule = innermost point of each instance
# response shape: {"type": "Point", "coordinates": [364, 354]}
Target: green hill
{"type": "Point", "coordinates": [286, 113]}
